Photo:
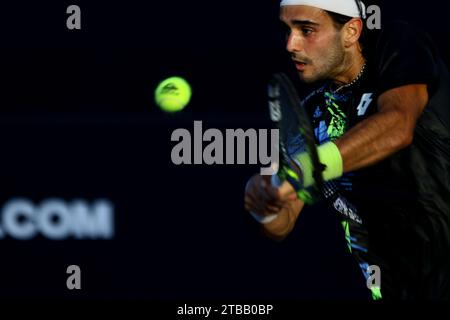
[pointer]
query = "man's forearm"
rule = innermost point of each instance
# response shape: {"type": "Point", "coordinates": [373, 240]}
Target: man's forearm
{"type": "Point", "coordinates": [375, 139]}
{"type": "Point", "coordinates": [387, 131]}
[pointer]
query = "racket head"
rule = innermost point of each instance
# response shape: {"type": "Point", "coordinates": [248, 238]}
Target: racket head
{"type": "Point", "coordinates": [296, 133]}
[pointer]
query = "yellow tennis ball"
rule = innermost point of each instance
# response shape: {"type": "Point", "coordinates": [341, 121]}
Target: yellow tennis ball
{"type": "Point", "coordinates": [173, 94]}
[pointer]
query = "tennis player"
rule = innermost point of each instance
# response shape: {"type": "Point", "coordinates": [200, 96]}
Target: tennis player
{"type": "Point", "coordinates": [383, 109]}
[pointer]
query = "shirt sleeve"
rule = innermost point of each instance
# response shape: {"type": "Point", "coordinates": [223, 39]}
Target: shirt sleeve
{"type": "Point", "coordinates": [405, 56]}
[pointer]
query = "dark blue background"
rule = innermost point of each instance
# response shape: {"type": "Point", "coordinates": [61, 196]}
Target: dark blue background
{"type": "Point", "coordinates": [78, 120]}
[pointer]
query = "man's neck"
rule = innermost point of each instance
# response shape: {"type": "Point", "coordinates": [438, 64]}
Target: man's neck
{"type": "Point", "coordinates": [353, 66]}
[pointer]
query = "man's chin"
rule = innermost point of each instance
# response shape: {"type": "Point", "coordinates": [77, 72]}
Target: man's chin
{"type": "Point", "coordinates": [306, 79]}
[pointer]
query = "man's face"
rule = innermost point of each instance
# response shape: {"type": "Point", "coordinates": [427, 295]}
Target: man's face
{"type": "Point", "coordinates": [314, 42]}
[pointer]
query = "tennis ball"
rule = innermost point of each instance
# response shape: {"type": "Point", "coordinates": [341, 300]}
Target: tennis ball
{"type": "Point", "coordinates": [173, 94]}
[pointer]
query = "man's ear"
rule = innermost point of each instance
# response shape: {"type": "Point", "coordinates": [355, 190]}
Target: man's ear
{"type": "Point", "coordinates": [352, 31]}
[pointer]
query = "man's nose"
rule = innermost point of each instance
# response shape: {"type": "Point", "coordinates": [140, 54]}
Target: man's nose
{"type": "Point", "coordinates": [294, 43]}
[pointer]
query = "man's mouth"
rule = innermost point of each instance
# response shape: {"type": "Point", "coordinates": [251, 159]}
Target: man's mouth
{"type": "Point", "coordinates": [300, 65]}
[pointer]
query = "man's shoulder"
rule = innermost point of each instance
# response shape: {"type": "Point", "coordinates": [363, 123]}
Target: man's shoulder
{"type": "Point", "coordinates": [404, 54]}
{"type": "Point", "coordinates": [399, 33]}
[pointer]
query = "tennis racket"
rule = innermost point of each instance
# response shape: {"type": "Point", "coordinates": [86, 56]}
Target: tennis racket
{"type": "Point", "coordinates": [296, 135]}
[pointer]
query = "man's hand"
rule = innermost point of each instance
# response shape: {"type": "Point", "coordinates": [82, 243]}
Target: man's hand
{"type": "Point", "coordinates": [264, 199]}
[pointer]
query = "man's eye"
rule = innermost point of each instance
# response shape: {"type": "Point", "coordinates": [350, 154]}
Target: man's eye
{"type": "Point", "coordinates": [307, 31]}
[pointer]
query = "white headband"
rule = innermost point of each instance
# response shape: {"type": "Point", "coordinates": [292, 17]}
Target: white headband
{"type": "Point", "coordinates": [345, 7]}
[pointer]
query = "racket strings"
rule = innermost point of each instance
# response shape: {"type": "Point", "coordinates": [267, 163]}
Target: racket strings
{"type": "Point", "coordinates": [300, 113]}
